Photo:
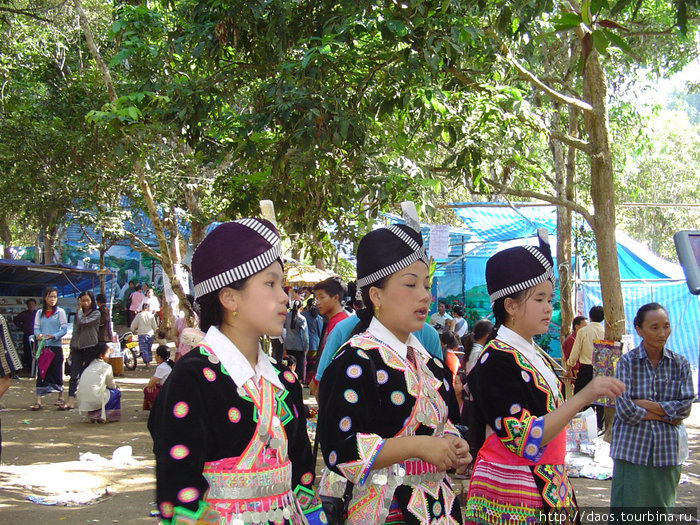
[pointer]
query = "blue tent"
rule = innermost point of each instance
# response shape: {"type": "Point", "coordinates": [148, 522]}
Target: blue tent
{"type": "Point", "coordinates": [26, 278]}
{"type": "Point", "coordinates": [492, 227]}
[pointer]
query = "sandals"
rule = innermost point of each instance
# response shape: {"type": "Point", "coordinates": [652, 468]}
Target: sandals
{"type": "Point", "coordinates": [64, 407]}
{"type": "Point", "coordinates": [59, 403]}
{"type": "Point", "coordinates": [35, 407]}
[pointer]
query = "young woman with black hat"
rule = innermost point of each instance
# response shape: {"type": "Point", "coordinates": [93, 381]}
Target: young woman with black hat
{"type": "Point", "coordinates": [229, 435]}
{"type": "Point", "coordinates": [519, 474]}
{"type": "Point", "coordinates": [385, 403]}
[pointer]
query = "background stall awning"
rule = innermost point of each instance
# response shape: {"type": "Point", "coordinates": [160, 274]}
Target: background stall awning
{"type": "Point", "coordinates": [30, 279]}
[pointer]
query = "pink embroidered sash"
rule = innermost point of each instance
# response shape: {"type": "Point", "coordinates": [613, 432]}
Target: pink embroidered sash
{"type": "Point", "coordinates": [494, 451]}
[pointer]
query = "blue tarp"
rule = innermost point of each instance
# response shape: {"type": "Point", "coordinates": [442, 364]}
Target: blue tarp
{"type": "Point", "coordinates": [645, 277]}
{"type": "Point", "coordinates": [26, 278]}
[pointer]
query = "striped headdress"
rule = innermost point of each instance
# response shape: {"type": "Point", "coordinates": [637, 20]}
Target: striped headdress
{"type": "Point", "coordinates": [385, 251]}
{"type": "Point", "coordinates": [519, 268]}
{"type": "Point", "coordinates": [234, 251]}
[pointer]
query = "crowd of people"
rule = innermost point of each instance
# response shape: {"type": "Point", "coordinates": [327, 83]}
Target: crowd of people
{"type": "Point", "coordinates": [404, 398]}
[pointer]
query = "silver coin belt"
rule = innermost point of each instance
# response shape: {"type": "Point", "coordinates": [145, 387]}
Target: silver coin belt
{"type": "Point", "coordinates": [232, 485]}
{"type": "Point", "coordinates": [285, 508]}
{"type": "Point", "coordinates": [263, 510]}
{"type": "Point", "coordinates": [392, 476]}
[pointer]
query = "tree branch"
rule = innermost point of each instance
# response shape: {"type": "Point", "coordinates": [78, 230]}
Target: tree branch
{"type": "Point", "coordinates": [506, 190]}
{"type": "Point", "coordinates": [556, 95]}
{"type": "Point", "coordinates": [89, 39]}
{"type": "Point", "coordinates": [464, 79]}
{"type": "Point", "coordinates": [140, 246]}
{"type": "Point", "coordinates": [574, 142]}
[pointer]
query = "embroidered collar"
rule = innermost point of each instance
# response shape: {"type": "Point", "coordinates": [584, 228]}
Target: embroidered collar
{"type": "Point", "coordinates": [381, 332]}
{"type": "Point", "coordinates": [527, 349]}
{"type": "Point", "coordinates": [236, 363]}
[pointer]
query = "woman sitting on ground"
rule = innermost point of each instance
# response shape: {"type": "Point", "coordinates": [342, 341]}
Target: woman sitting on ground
{"type": "Point", "coordinates": [165, 366]}
{"type": "Point", "coordinates": [98, 394]}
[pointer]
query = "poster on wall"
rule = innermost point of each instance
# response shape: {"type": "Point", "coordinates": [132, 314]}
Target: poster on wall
{"type": "Point", "coordinates": [439, 247]}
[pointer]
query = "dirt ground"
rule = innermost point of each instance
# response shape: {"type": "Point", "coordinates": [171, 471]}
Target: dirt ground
{"type": "Point", "coordinates": [41, 449]}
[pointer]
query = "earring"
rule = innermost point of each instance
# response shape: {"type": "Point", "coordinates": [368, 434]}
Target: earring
{"type": "Point", "coordinates": [234, 313]}
{"type": "Point", "coordinates": [376, 311]}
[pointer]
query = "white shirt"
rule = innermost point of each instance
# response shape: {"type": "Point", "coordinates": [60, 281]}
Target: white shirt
{"type": "Point", "coordinates": [144, 323]}
{"type": "Point", "coordinates": [162, 372]}
{"type": "Point", "coordinates": [236, 364]}
{"type": "Point", "coordinates": [462, 329]}
{"type": "Point", "coordinates": [92, 391]}
{"type": "Point", "coordinates": [474, 356]}
{"type": "Point", "coordinates": [382, 333]}
{"type": "Point", "coordinates": [440, 319]}
{"type": "Point", "coordinates": [528, 350]}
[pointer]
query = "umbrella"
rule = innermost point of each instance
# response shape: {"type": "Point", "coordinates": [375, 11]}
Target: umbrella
{"type": "Point", "coordinates": [299, 274]}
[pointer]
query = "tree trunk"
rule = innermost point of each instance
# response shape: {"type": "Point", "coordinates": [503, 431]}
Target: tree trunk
{"type": "Point", "coordinates": [195, 209]}
{"type": "Point", "coordinates": [50, 234]}
{"type": "Point", "coordinates": [563, 230]}
{"type": "Point", "coordinates": [165, 258]}
{"type": "Point", "coordinates": [603, 197]}
{"type": "Point", "coordinates": [37, 249]}
{"type": "Point", "coordinates": [103, 249]}
{"type": "Point", "coordinates": [5, 236]}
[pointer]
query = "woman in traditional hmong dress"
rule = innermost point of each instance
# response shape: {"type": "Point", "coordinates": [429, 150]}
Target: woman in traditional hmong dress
{"type": "Point", "coordinates": [228, 429]}
{"type": "Point", "coordinates": [385, 403]}
{"type": "Point", "coordinates": [9, 361]}
{"type": "Point", "coordinates": [519, 473]}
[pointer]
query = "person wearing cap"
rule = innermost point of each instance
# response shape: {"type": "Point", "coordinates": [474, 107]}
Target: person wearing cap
{"type": "Point", "coordinates": [385, 404]}
{"type": "Point", "coordinates": [518, 404]}
{"type": "Point", "coordinates": [228, 431]}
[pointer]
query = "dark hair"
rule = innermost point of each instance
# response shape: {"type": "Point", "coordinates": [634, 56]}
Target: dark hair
{"type": "Point", "coordinates": [499, 309]}
{"type": "Point", "coordinates": [642, 313]}
{"type": "Point", "coordinates": [190, 298]}
{"type": "Point", "coordinates": [93, 304]}
{"type": "Point", "coordinates": [311, 307]}
{"type": "Point", "coordinates": [481, 328]}
{"type": "Point", "coordinates": [367, 313]}
{"type": "Point", "coordinates": [596, 314]}
{"type": "Point", "coordinates": [443, 302]}
{"type": "Point", "coordinates": [577, 321]}
{"type": "Point", "coordinates": [30, 300]}
{"type": "Point", "coordinates": [100, 298]}
{"type": "Point", "coordinates": [164, 353]}
{"type": "Point", "coordinates": [211, 312]}
{"type": "Point", "coordinates": [290, 361]}
{"type": "Point", "coordinates": [449, 339]}
{"type": "Point", "coordinates": [358, 304]}
{"type": "Point", "coordinates": [137, 288]}
{"type": "Point", "coordinates": [332, 286]}
{"type": "Point", "coordinates": [50, 290]}
{"type": "Point", "coordinates": [458, 310]}
{"type": "Point", "coordinates": [463, 378]}
{"type": "Point", "coordinates": [295, 313]}
{"type": "Point", "coordinates": [96, 351]}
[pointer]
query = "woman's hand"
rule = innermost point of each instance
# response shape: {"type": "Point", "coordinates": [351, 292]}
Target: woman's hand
{"type": "Point", "coordinates": [602, 386]}
{"type": "Point", "coordinates": [438, 451]}
{"type": "Point", "coordinates": [464, 457]}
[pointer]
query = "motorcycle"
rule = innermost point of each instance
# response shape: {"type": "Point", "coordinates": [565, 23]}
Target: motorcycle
{"type": "Point", "coordinates": [129, 344]}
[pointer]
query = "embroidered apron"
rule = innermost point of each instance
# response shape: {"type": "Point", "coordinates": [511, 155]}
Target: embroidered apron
{"type": "Point", "coordinates": [255, 487]}
{"type": "Point", "coordinates": [371, 500]}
